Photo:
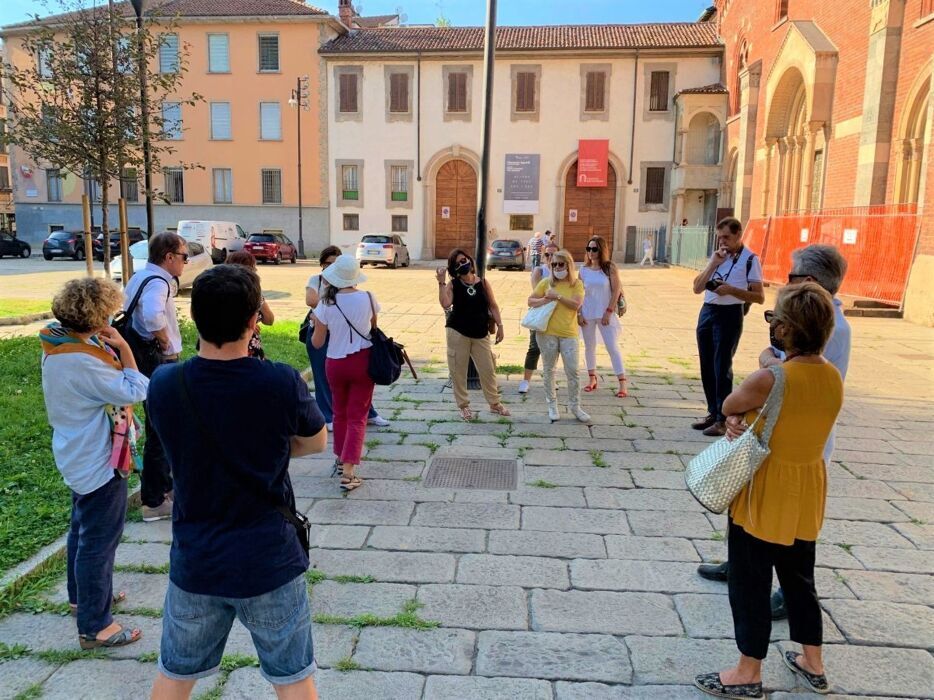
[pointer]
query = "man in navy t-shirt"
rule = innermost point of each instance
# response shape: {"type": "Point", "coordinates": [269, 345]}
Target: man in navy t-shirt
{"type": "Point", "coordinates": [229, 444]}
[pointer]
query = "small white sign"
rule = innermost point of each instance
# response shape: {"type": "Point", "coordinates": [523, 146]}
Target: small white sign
{"type": "Point", "coordinates": [849, 236]}
{"type": "Point", "coordinates": [572, 215]}
{"type": "Point", "coordinates": [445, 212]}
{"type": "Point", "coordinates": [804, 235]}
{"type": "Point", "coordinates": [32, 192]}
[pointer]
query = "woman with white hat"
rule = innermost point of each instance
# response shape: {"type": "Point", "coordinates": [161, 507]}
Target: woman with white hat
{"type": "Point", "coordinates": [348, 314]}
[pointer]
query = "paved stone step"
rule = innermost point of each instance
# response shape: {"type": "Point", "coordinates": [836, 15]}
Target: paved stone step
{"type": "Point", "coordinates": [17, 675]}
{"type": "Point", "coordinates": [148, 554]}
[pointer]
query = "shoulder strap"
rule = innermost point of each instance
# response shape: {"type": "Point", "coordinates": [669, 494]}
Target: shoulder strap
{"type": "Point", "coordinates": [352, 326]}
{"type": "Point", "coordinates": [250, 485]}
{"type": "Point", "coordinates": [132, 307]}
{"type": "Point", "coordinates": [773, 404]}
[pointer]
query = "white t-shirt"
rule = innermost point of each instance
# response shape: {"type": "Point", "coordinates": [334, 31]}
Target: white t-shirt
{"type": "Point", "coordinates": [343, 340]}
{"type": "Point", "coordinates": [733, 272]}
{"type": "Point", "coordinates": [596, 293]}
{"type": "Point", "coordinates": [314, 282]}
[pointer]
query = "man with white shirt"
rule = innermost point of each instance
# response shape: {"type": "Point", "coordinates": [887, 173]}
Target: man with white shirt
{"type": "Point", "coordinates": [732, 279]}
{"type": "Point", "coordinates": [154, 319]}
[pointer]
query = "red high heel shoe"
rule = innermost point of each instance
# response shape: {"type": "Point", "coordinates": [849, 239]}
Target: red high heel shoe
{"type": "Point", "coordinates": [592, 384]}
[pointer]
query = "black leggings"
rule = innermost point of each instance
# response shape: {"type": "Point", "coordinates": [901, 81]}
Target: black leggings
{"type": "Point", "coordinates": [750, 585]}
{"type": "Point", "coordinates": [533, 353]}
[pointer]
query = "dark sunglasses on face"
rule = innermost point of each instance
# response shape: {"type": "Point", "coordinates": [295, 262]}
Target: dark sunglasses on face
{"type": "Point", "coordinates": [558, 265]}
{"type": "Point", "coordinates": [183, 256]}
{"type": "Point", "coordinates": [792, 278]}
{"type": "Point", "coordinates": [327, 262]}
{"type": "Point", "coordinates": [547, 255]}
{"type": "Point", "coordinates": [593, 249]}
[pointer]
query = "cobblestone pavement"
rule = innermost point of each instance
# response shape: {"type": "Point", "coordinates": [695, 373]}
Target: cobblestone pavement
{"type": "Point", "coordinates": [580, 584]}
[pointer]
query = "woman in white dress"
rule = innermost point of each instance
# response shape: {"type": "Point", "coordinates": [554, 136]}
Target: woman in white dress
{"type": "Point", "coordinates": [602, 289]}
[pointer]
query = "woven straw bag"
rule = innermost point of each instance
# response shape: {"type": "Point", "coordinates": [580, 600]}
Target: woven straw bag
{"type": "Point", "coordinates": [717, 474]}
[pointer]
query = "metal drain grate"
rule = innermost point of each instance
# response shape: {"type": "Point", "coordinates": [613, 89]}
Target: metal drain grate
{"type": "Point", "coordinates": [469, 473]}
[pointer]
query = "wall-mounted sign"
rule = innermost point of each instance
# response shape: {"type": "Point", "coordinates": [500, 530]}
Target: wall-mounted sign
{"type": "Point", "coordinates": [445, 212]}
{"type": "Point", "coordinates": [572, 215]}
{"type": "Point", "coordinates": [592, 162]}
{"type": "Point", "coordinates": [520, 188]}
{"type": "Point", "coordinates": [804, 235]}
{"type": "Point", "coordinates": [849, 236]}
{"type": "Point", "coordinates": [32, 192]}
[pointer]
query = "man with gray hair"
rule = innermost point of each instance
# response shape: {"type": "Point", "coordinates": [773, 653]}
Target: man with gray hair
{"type": "Point", "coordinates": [824, 265]}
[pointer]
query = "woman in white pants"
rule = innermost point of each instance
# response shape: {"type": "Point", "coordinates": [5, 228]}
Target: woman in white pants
{"type": "Point", "coordinates": [602, 288]}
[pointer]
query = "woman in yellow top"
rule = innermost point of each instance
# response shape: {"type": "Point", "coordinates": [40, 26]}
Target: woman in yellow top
{"type": "Point", "coordinates": [776, 518]}
{"type": "Point", "coordinates": [560, 337]}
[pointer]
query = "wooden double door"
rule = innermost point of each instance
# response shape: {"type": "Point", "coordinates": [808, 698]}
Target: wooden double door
{"type": "Point", "coordinates": [455, 208]}
{"type": "Point", "coordinates": [588, 211]}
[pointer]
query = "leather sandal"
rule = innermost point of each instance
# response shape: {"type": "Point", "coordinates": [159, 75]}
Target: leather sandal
{"type": "Point", "coordinates": [500, 410]}
{"type": "Point", "coordinates": [349, 483]}
{"type": "Point", "coordinates": [466, 413]}
{"type": "Point", "coordinates": [592, 384]}
{"type": "Point", "coordinates": [623, 389]}
{"type": "Point", "coordinates": [118, 639]}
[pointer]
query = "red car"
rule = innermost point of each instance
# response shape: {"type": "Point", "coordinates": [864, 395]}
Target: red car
{"type": "Point", "coordinates": [275, 247]}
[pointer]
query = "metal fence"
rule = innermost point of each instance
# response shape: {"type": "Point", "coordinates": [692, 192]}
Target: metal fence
{"type": "Point", "coordinates": [690, 246]}
{"type": "Point", "coordinates": [635, 243]}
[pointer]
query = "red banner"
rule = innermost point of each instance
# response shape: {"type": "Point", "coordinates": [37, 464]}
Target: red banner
{"type": "Point", "coordinates": [592, 157]}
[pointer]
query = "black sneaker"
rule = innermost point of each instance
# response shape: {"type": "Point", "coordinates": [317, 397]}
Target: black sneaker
{"type": "Point", "coordinates": [714, 572]}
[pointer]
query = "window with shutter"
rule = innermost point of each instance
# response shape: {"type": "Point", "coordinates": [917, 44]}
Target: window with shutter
{"type": "Point", "coordinates": [43, 62]}
{"type": "Point", "coordinates": [351, 222]}
{"type": "Point", "coordinates": [129, 185]}
{"type": "Point", "coordinates": [168, 53]}
{"type": "Point", "coordinates": [172, 120]}
{"type": "Point", "coordinates": [4, 178]}
{"type": "Point", "coordinates": [399, 92]}
{"type": "Point", "coordinates": [399, 176]}
{"type": "Point", "coordinates": [525, 92]}
{"type": "Point", "coordinates": [270, 123]}
{"type": "Point", "coordinates": [223, 185]}
{"type": "Point", "coordinates": [350, 185]}
{"type": "Point", "coordinates": [457, 92]}
{"type": "Point", "coordinates": [220, 121]}
{"type": "Point", "coordinates": [218, 53]}
{"type": "Point", "coordinates": [658, 97]}
{"type": "Point", "coordinates": [272, 186]}
{"type": "Point", "coordinates": [400, 223]}
{"type": "Point", "coordinates": [348, 92]}
{"type": "Point", "coordinates": [595, 100]}
{"type": "Point", "coordinates": [53, 183]}
{"type": "Point", "coordinates": [654, 185]}
{"type": "Point", "coordinates": [175, 185]}
{"type": "Point", "coordinates": [269, 53]}
{"type": "Point", "coordinates": [781, 10]}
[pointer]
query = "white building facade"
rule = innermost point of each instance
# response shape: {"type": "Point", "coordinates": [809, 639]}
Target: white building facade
{"type": "Point", "coordinates": [405, 117]}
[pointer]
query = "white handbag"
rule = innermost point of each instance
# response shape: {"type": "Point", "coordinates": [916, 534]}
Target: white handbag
{"type": "Point", "coordinates": [536, 319]}
{"type": "Point", "coordinates": [717, 474]}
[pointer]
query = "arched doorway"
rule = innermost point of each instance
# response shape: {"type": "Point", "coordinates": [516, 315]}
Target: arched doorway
{"type": "Point", "coordinates": [455, 213]}
{"type": "Point", "coordinates": [588, 211]}
{"type": "Point", "coordinates": [914, 148]}
{"type": "Point", "coordinates": [704, 140]}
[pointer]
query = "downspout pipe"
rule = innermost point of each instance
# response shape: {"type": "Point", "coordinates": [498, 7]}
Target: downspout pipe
{"type": "Point", "coordinates": [418, 118]}
{"type": "Point", "coordinates": [632, 136]}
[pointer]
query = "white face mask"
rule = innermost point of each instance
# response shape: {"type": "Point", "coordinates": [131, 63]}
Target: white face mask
{"type": "Point", "coordinates": [560, 274]}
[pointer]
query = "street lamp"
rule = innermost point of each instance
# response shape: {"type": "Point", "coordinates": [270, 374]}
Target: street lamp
{"type": "Point", "coordinates": [144, 116]}
{"type": "Point", "coordinates": [299, 101]}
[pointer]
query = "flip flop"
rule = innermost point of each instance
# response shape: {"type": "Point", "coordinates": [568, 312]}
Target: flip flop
{"type": "Point", "coordinates": [117, 599]}
{"type": "Point", "coordinates": [815, 681]}
{"type": "Point", "coordinates": [118, 639]}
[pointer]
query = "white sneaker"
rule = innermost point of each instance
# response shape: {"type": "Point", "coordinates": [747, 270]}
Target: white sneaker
{"type": "Point", "coordinates": [330, 427]}
{"type": "Point", "coordinates": [524, 386]}
{"type": "Point", "coordinates": [378, 421]}
{"type": "Point", "coordinates": [580, 414]}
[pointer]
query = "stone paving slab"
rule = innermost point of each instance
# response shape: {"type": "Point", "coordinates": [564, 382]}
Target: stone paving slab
{"type": "Point", "coordinates": [892, 587]}
{"type": "Point", "coordinates": [600, 691]}
{"type": "Point", "coordinates": [848, 532]}
{"type": "Point", "coordinates": [908, 561]}
{"type": "Point", "coordinates": [552, 544]}
{"type": "Point", "coordinates": [650, 548]}
{"type": "Point", "coordinates": [339, 536]}
{"type": "Point", "coordinates": [426, 651]}
{"type": "Point", "coordinates": [248, 684]}
{"type": "Point", "coordinates": [475, 607]}
{"type": "Point", "coordinates": [657, 576]}
{"type": "Point", "coordinates": [397, 490]}
{"type": "Point", "coordinates": [350, 599]}
{"type": "Point", "coordinates": [670, 523]}
{"type": "Point", "coordinates": [582, 476]}
{"type": "Point", "coordinates": [467, 515]}
{"type": "Point", "coordinates": [17, 675]}
{"type": "Point", "coordinates": [884, 623]}
{"type": "Point", "coordinates": [429, 539]}
{"type": "Point", "coordinates": [159, 531]}
{"type": "Point", "coordinates": [604, 612]}
{"type": "Point", "coordinates": [52, 632]}
{"type": "Point", "coordinates": [391, 470]}
{"type": "Point", "coordinates": [551, 655]}
{"type": "Point", "coordinates": [405, 567]}
{"type": "Point", "coordinates": [462, 687]}
{"type": "Point", "coordinates": [107, 680]}
{"type": "Point", "coordinates": [342, 511]}
{"type": "Point", "coordinates": [562, 496]}
{"type": "Point", "coordinates": [642, 499]}
{"type": "Point", "coordinates": [527, 572]}
{"type": "Point", "coordinates": [149, 554]}
{"type": "Point", "coordinates": [599, 522]}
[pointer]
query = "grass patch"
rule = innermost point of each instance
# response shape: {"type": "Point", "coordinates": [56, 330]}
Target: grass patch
{"type": "Point", "coordinates": [432, 446]}
{"type": "Point", "coordinates": [372, 442]}
{"type": "Point", "coordinates": [143, 612]}
{"type": "Point", "coordinates": [65, 656]}
{"type": "Point", "coordinates": [347, 664]}
{"type": "Point", "coordinates": [717, 536]}
{"type": "Point", "coordinates": [542, 484]}
{"type": "Point", "coordinates": [231, 662]}
{"type": "Point", "coordinates": [353, 579]}
{"type": "Point", "coordinates": [25, 594]}
{"type": "Point", "coordinates": [520, 452]}
{"type": "Point", "coordinates": [411, 478]}
{"type": "Point", "coordinates": [848, 548]}
{"type": "Point", "coordinates": [33, 692]}
{"type": "Point", "coordinates": [142, 568]}
{"type": "Point", "coordinates": [9, 653]}
{"type": "Point", "coordinates": [596, 458]}
{"type": "Point", "coordinates": [21, 307]}
{"type": "Point", "coordinates": [315, 576]}
{"type": "Point", "coordinates": [407, 618]}
{"type": "Point", "coordinates": [509, 369]}
{"type": "Point", "coordinates": [150, 657]}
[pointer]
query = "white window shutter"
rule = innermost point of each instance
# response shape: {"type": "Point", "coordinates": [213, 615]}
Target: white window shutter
{"type": "Point", "coordinates": [220, 120]}
{"type": "Point", "coordinates": [218, 53]}
{"type": "Point", "coordinates": [270, 121]}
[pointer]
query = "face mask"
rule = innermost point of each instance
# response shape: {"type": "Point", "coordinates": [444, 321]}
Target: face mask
{"type": "Point", "coordinates": [463, 268]}
{"type": "Point", "coordinates": [560, 274]}
{"type": "Point", "coordinates": [777, 343]}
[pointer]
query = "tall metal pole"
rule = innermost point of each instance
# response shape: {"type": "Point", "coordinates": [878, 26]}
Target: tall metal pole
{"type": "Point", "coordinates": [298, 120]}
{"type": "Point", "coordinates": [144, 116]}
{"type": "Point", "coordinates": [488, 51]}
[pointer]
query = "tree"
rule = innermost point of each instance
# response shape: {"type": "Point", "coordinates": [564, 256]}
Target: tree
{"type": "Point", "coordinates": [75, 105]}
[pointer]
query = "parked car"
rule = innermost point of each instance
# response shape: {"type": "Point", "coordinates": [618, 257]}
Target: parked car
{"type": "Point", "coordinates": [198, 262]}
{"type": "Point", "coordinates": [271, 247]}
{"type": "Point", "coordinates": [134, 235]}
{"type": "Point", "coordinates": [217, 237]}
{"type": "Point", "coordinates": [388, 249]}
{"type": "Point", "coordinates": [67, 244]}
{"type": "Point", "coordinates": [9, 245]}
{"type": "Point", "coordinates": [506, 253]}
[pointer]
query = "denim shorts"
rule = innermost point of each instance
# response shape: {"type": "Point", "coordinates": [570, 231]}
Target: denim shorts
{"type": "Point", "coordinates": [195, 629]}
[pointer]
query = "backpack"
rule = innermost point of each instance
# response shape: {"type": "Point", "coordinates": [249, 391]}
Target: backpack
{"type": "Point", "coordinates": [386, 355]}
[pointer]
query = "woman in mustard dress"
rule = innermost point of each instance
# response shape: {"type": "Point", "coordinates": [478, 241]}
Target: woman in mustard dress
{"type": "Point", "coordinates": [776, 518]}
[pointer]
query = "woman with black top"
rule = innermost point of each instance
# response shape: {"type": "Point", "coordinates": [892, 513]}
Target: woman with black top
{"type": "Point", "coordinates": [472, 305]}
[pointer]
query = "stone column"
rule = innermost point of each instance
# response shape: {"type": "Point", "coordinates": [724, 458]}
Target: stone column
{"type": "Point", "coordinates": [746, 153]}
{"type": "Point", "coordinates": [790, 163]}
{"type": "Point", "coordinates": [682, 146]}
{"type": "Point", "coordinates": [767, 176]}
{"type": "Point", "coordinates": [781, 175]}
{"type": "Point", "coordinates": [813, 129]}
{"type": "Point", "coordinates": [916, 146]}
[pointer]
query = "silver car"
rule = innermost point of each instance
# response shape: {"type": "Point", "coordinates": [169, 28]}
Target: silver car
{"type": "Point", "coordinates": [386, 249]}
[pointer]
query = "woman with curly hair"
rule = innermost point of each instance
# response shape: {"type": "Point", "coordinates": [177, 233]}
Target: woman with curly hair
{"type": "Point", "coordinates": [90, 383]}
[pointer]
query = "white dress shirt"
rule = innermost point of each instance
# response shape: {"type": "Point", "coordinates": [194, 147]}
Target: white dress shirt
{"type": "Point", "coordinates": [156, 308]}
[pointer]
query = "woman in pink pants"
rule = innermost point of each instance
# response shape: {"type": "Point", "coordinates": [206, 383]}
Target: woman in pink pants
{"type": "Point", "coordinates": [348, 314]}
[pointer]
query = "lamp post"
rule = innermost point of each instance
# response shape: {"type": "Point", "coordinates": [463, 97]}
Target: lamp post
{"type": "Point", "coordinates": [299, 101]}
{"type": "Point", "coordinates": [144, 116]}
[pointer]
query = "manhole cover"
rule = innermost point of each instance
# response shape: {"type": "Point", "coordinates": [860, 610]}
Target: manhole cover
{"type": "Point", "coordinates": [469, 473]}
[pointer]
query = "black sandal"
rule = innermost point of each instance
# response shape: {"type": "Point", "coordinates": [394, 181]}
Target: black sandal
{"type": "Point", "coordinates": [815, 681]}
{"type": "Point", "coordinates": [711, 684]}
{"type": "Point", "coordinates": [338, 469]}
{"type": "Point", "coordinates": [117, 639]}
{"type": "Point", "coordinates": [349, 483]}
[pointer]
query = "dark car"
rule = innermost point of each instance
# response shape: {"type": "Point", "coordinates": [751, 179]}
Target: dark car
{"type": "Point", "coordinates": [506, 253]}
{"type": "Point", "coordinates": [134, 235]}
{"type": "Point", "coordinates": [10, 245]}
{"type": "Point", "coordinates": [64, 244]}
{"type": "Point", "coordinates": [274, 247]}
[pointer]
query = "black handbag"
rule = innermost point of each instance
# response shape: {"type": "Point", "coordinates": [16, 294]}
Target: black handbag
{"type": "Point", "coordinates": [305, 328]}
{"type": "Point", "coordinates": [386, 355]}
{"type": "Point", "coordinates": [147, 351]}
{"type": "Point", "coordinates": [297, 520]}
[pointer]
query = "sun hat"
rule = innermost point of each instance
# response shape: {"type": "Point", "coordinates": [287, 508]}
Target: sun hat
{"type": "Point", "coordinates": [344, 272]}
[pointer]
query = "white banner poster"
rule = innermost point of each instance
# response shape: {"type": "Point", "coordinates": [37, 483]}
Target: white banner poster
{"type": "Point", "coordinates": [520, 186]}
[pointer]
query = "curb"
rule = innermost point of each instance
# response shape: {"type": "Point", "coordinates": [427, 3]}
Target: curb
{"type": "Point", "coordinates": [23, 320]}
{"type": "Point", "coordinates": [13, 578]}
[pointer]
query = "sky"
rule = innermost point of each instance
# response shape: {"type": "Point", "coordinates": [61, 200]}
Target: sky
{"type": "Point", "coordinates": [472, 12]}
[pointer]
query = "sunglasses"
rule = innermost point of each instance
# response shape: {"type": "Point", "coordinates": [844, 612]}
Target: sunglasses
{"type": "Point", "coordinates": [770, 316]}
{"type": "Point", "coordinates": [558, 265]}
{"type": "Point", "coordinates": [794, 278]}
{"type": "Point", "coordinates": [593, 249]}
{"type": "Point", "coordinates": [547, 255]}
{"type": "Point", "coordinates": [327, 262]}
{"type": "Point", "coordinates": [183, 256]}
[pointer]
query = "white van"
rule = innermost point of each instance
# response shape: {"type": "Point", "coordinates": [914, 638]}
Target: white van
{"type": "Point", "coordinates": [217, 237]}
